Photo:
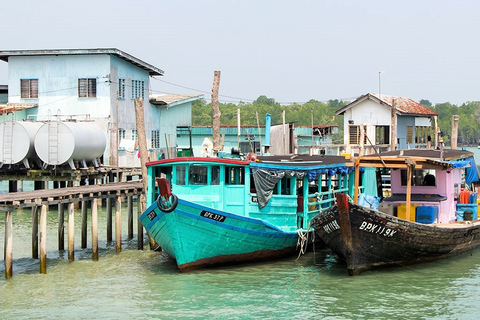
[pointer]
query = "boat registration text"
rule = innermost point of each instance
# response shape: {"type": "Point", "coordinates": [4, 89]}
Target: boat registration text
{"type": "Point", "coordinates": [213, 216]}
{"type": "Point", "coordinates": [376, 228]}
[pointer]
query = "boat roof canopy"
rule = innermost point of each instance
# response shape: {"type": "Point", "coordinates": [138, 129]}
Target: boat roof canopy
{"type": "Point", "coordinates": [419, 158]}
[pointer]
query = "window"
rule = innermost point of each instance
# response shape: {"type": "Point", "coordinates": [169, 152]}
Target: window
{"type": "Point", "coordinates": [235, 175]}
{"type": "Point", "coordinates": [215, 175]}
{"type": "Point", "coordinates": [29, 88]}
{"type": "Point", "coordinates": [87, 88]}
{"type": "Point", "coordinates": [197, 175]}
{"type": "Point", "coordinates": [121, 89]}
{"type": "Point", "coordinates": [155, 139]}
{"type": "Point", "coordinates": [138, 89]}
{"type": "Point", "coordinates": [122, 134]}
{"type": "Point", "coordinates": [180, 175]}
{"type": "Point", "coordinates": [420, 177]}
{"type": "Point", "coordinates": [409, 134]}
{"type": "Point", "coordinates": [382, 134]}
{"type": "Point", "coordinates": [421, 134]}
{"type": "Point", "coordinates": [134, 134]}
{"type": "Point", "coordinates": [354, 135]}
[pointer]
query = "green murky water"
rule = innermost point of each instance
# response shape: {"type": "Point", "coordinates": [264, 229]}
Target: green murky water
{"type": "Point", "coordinates": [146, 284]}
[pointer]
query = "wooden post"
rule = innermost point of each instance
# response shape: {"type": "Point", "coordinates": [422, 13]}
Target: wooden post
{"type": "Point", "coordinates": [130, 216]}
{"type": "Point", "coordinates": [435, 121]}
{"type": "Point", "coordinates": [71, 231]}
{"type": "Point", "coordinates": [357, 181]}
{"type": "Point", "coordinates": [43, 239]}
{"type": "Point", "coordinates": [216, 112]}
{"type": "Point", "coordinates": [142, 140]}
{"type": "Point", "coordinates": [361, 152]}
{"type": "Point", "coordinates": [238, 129]}
{"type": "Point", "coordinates": [8, 255]}
{"type": "Point", "coordinates": [94, 230]}
{"type": "Point", "coordinates": [454, 131]}
{"type": "Point", "coordinates": [393, 127]}
{"type": "Point", "coordinates": [84, 224]}
{"type": "Point", "coordinates": [35, 232]}
{"type": "Point", "coordinates": [142, 146]}
{"type": "Point", "coordinates": [409, 191]}
{"type": "Point", "coordinates": [139, 224]}
{"type": "Point", "coordinates": [61, 227]}
{"type": "Point", "coordinates": [118, 223]}
{"type": "Point", "coordinates": [109, 219]}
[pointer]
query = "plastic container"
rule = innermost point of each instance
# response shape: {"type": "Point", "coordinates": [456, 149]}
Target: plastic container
{"type": "Point", "coordinates": [473, 197]}
{"type": "Point", "coordinates": [461, 208]}
{"type": "Point", "coordinates": [402, 211]}
{"type": "Point", "coordinates": [426, 214]}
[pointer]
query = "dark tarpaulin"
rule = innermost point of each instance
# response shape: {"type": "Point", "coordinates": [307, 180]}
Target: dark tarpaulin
{"type": "Point", "coordinates": [266, 179]}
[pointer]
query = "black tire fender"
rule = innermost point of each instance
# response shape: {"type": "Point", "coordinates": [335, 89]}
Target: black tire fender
{"type": "Point", "coordinates": [172, 207]}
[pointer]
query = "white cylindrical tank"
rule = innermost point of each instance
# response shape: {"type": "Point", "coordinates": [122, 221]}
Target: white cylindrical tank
{"type": "Point", "coordinates": [17, 141]}
{"type": "Point", "coordinates": [57, 143]}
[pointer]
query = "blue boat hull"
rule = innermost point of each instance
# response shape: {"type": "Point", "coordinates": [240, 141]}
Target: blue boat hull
{"type": "Point", "coordinates": [198, 236]}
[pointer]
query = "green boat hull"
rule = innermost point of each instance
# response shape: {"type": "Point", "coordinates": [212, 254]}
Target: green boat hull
{"type": "Point", "coordinates": [198, 236]}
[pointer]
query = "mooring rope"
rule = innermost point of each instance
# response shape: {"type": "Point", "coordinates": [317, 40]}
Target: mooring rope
{"type": "Point", "coordinates": [302, 241]}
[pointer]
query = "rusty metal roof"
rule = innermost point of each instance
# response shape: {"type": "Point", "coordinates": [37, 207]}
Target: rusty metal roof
{"type": "Point", "coordinates": [172, 99]}
{"type": "Point", "coordinates": [405, 106]}
{"type": "Point", "coordinates": [11, 107]}
{"type": "Point", "coordinates": [153, 71]}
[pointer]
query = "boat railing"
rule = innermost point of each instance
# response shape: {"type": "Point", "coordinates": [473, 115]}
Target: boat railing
{"type": "Point", "coordinates": [317, 202]}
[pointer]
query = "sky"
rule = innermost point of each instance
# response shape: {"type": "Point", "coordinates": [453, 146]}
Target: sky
{"type": "Point", "coordinates": [291, 51]}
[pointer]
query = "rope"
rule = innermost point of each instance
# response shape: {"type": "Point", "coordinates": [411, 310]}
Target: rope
{"type": "Point", "coordinates": [302, 241]}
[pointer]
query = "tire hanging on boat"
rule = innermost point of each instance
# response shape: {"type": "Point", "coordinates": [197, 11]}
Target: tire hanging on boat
{"type": "Point", "coordinates": [169, 209]}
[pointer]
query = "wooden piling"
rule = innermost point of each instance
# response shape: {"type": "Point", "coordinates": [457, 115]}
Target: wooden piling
{"type": "Point", "coordinates": [139, 225]}
{"type": "Point", "coordinates": [8, 244]}
{"type": "Point", "coordinates": [71, 231]}
{"type": "Point", "coordinates": [94, 230]}
{"type": "Point", "coordinates": [35, 232]}
{"type": "Point", "coordinates": [43, 240]}
{"type": "Point", "coordinates": [84, 224]}
{"type": "Point", "coordinates": [130, 216]}
{"type": "Point", "coordinates": [109, 219]}
{"type": "Point", "coordinates": [61, 226]}
{"type": "Point", "coordinates": [118, 223]}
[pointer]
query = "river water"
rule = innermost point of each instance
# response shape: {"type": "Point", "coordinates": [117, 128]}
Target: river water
{"type": "Point", "coordinates": [146, 284]}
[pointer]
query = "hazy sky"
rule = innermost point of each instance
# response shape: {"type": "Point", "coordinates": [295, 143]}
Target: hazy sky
{"type": "Point", "coordinates": [292, 51]}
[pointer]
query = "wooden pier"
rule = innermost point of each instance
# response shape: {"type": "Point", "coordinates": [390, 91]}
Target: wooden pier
{"type": "Point", "coordinates": [113, 193]}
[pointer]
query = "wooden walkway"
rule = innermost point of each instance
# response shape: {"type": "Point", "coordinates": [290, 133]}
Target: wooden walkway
{"type": "Point", "coordinates": [9, 201]}
{"type": "Point", "coordinates": [114, 193]}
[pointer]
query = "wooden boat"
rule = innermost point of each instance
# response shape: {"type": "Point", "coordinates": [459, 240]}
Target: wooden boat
{"type": "Point", "coordinates": [426, 223]}
{"type": "Point", "coordinates": [224, 210]}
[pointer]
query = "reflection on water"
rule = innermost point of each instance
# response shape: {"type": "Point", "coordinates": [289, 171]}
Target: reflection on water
{"type": "Point", "coordinates": [147, 284]}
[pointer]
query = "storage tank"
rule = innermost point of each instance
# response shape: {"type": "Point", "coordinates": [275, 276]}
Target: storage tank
{"type": "Point", "coordinates": [57, 143]}
{"type": "Point", "coordinates": [17, 141]}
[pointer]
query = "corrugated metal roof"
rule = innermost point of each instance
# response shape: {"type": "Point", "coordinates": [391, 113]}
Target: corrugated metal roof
{"type": "Point", "coordinates": [11, 107]}
{"type": "Point", "coordinates": [404, 106]}
{"type": "Point", "coordinates": [153, 71]}
{"type": "Point", "coordinates": [169, 99]}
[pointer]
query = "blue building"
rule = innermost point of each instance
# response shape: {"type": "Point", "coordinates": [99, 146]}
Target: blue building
{"type": "Point", "coordinates": [98, 85]}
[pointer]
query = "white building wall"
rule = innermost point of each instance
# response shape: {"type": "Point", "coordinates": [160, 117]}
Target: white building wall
{"type": "Point", "coordinates": [366, 113]}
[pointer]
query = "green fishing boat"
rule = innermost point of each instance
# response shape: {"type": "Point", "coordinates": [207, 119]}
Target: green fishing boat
{"type": "Point", "coordinates": [206, 211]}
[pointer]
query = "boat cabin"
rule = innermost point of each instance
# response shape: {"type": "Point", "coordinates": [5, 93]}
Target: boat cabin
{"type": "Point", "coordinates": [286, 191]}
{"type": "Point", "coordinates": [427, 182]}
